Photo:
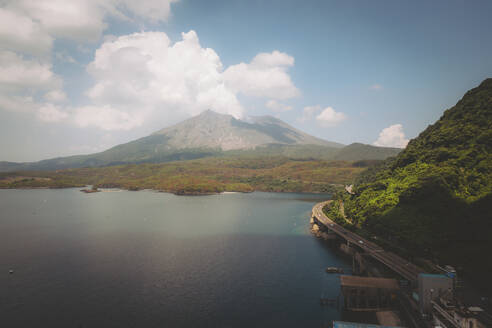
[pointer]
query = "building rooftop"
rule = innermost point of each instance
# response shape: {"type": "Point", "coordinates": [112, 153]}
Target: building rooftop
{"type": "Point", "coordinates": [433, 275]}
{"type": "Point", "coordinates": [355, 281]}
{"type": "Point", "coordinates": [341, 324]}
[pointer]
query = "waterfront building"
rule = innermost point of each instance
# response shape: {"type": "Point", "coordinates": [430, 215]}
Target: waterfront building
{"type": "Point", "coordinates": [432, 287]}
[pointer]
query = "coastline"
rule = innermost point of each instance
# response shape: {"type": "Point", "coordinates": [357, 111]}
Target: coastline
{"type": "Point", "coordinates": [177, 193]}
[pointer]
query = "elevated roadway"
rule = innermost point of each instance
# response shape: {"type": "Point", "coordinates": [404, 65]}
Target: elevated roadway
{"type": "Point", "coordinates": [404, 268]}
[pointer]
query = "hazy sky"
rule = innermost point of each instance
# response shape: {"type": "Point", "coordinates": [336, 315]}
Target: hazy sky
{"type": "Point", "coordinates": [81, 76]}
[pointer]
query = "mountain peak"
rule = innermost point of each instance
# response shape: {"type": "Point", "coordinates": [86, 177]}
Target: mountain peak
{"type": "Point", "coordinates": [210, 129]}
{"type": "Point", "coordinates": [211, 113]}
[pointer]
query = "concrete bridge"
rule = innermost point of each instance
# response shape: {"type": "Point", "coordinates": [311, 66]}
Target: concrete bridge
{"type": "Point", "coordinates": [406, 269]}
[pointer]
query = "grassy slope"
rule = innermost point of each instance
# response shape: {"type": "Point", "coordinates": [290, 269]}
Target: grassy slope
{"type": "Point", "coordinates": [200, 176]}
{"type": "Point", "coordinates": [152, 149]}
{"type": "Point", "coordinates": [435, 198]}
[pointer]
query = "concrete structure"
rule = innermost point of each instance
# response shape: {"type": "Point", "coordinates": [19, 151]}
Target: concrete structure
{"type": "Point", "coordinates": [388, 318]}
{"type": "Point", "coordinates": [368, 294]}
{"type": "Point", "coordinates": [341, 324]}
{"type": "Point", "coordinates": [449, 316]}
{"type": "Point", "coordinates": [432, 287]}
{"type": "Point", "coordinates": [404, 268]}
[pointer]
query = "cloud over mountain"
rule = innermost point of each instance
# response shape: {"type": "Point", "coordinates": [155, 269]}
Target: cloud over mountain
{"type": "Point", "coordinates": [144, 75]}
{"type": "Point", "coordinates": [392, 136]}
{"type": "Point", "coordinates": [330, 117]}
{"type": "Point", "coordinates": [265, 76]}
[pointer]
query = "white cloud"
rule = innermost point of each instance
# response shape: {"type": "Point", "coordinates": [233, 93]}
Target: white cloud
{"type": "Point", "coordinates": [63, 56]}
{"type": "Point", "coordinates": [308, 113]}
{"type": "Point", "coordinates": [79, 20]}
{"type": "Point", "coordinates": [277, 106]}
{"type": "Point", "coordinates": [392, 136]}
{"type": "Point", "coordinates": [276, 58]}
{"type": "Point", "coordinates": [51, 113]}
{"type": "Point", "coordinates": [82, 20]}
{"type": "Point", "coordinates": [329, 117]}
{"type": "Point", "coordinates": [155, 10]}
{"type": "Point", "coordinates": [17, 73]}
{"type": "Point", "coordinates": [265, 76]}
{"type": "Point", "coordinates": [55, 96]}
{"type": "Point", "coordinates": [144, 76]}
{"type": "Point", "coordinates": [20, 33]}
{"type": "Point", "coordinates": [23, 81]}
{"type": "Point", "coordinates": [17, 103]}
{"type": "Point", "coordinates": [376, 87]}
{"type": "Point", "coordinates": [106, 118]}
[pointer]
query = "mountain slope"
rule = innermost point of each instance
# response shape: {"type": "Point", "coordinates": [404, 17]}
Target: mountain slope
{"type": "Point", "coordinates": [213, 134]}
{"type": "Point", "coordinates": [435, 197]}
{"type": "Point", "coordinates": [357, 151]}
{"type": "Point", "coordinates": [213, 130]}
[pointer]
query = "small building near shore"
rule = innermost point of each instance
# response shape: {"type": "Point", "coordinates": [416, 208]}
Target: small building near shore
{"type": "Point", "coordinates": [433, 287]}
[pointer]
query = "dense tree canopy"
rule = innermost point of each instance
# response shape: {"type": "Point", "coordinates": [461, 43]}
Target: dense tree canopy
{"type": "Point", "coordinates": [435, 197]}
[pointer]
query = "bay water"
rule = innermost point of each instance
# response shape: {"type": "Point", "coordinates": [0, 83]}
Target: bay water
{"type": "Point", "coordinates": [150, 259]}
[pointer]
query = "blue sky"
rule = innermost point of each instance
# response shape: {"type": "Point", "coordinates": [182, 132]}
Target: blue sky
{"type": "Point", "coordinates": [376, 72]}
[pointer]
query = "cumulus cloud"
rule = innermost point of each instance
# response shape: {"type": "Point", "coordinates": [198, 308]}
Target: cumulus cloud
{"type": "Point", "coordinates": [106, 118]}
{"type": "Point", "coordinates": [80, 20]}
{"type": "Point", "coordinates": [19, 32]}
{"type": "Point", "coordinates": [277, 106]}
{"type": "Point", "coordinates": [265, 76]}
{"type": "Point", "coordinates": [23, 81]}
{"type": "Point", "coordinates": [392, 136]}
{"type": "Point", "coordinates": [273, 59]}
{"type": "Point", "coordinates": [144, 75]}
{"type": "Point", "coordinates": [28, 29]}
{"type": "Point", "coordinates": [55, 96]}
{"type": "Point", "coordinates": [308, 113]}
{"type": "Point", "coordinates": [83, 19]}
{"type": "Point", "coordinates": [154, 10]}
{"type": "Point", "coordinates": [17, 73]}
{"type": "Point", "coordinates": [329, 117]}
{"type": "Point", "coordinates": [136, 77]}
{"type": "Point", "coordinates": [51, 113]}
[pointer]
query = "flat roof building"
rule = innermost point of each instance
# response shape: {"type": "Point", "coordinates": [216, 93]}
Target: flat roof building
{"type": "Point", "coordinates": [433, 287]}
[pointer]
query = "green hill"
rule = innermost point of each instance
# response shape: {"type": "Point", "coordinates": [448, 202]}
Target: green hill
{"type": "Point", "coordinates": [435, 198]}
{"type": "Point", "coordinates": [358, 151]}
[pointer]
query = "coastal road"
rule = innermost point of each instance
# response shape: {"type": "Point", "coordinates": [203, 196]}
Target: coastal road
{"type": "Point", "coordinates": [399, 265]}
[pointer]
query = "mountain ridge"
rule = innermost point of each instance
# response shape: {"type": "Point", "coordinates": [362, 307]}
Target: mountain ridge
{"type": "Point", "coordinates": [213, 130]}
{"type": "Point", "coordinates": [211, 134]}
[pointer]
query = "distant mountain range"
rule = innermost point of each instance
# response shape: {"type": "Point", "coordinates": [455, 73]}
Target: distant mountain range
{"type": "Point", "coordinates": [213, 134]}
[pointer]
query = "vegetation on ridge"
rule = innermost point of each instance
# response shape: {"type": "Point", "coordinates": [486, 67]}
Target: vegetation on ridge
{"type": "Point", "coordinates": [211, 175]}
{"type": "Point", "coordinates": [435, 197]}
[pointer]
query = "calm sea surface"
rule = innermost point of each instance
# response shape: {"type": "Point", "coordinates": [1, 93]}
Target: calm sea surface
{"type": "Point", "coordinates": [148, 259]}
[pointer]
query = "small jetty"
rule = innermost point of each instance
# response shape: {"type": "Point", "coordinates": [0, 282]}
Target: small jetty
{"type": "Point", "coordinates": [334, 270]}
{"type": "Point", "coordinates": [90, 191]}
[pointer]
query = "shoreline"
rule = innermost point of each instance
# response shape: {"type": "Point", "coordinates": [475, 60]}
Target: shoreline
{"type": "Point", "coordinates": [177, 193]}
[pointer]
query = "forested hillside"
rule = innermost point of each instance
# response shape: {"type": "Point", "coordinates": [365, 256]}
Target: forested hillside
{"type": "Point", "coordinates": [435, 197]}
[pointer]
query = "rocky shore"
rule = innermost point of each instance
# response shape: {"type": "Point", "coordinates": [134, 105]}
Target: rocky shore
{"type": "Point", "coordinates": [317, 232]}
